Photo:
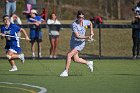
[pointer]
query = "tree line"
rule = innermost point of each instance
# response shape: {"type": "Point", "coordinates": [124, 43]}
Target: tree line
{"type": "Point", "coordinates": [108, 9]}
{"type": "Point", "coordinates": [67, 9]}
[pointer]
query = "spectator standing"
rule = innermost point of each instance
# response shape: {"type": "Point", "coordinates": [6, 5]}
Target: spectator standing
{"type": "Point", "coordinates": [44, 14]}
{"type": "Point", "coordinates": [35, 31]}
{"type": "Point", "coordinates": [54, 28]}
{"type": "Point", "coordinates": [29, 5]}
{"type": "Point", "coordinates": [136, 38]}
{"type": "Point", "coordinates": [12, 47]}
{"type": "Point", "coordinates": [10, 7]}
{"type": "Point", "coordinates": [15, 19]}
{"type": "Point", "coordinates": [137, 9]}
{"type": "Point", "coordinates": [77, 42]}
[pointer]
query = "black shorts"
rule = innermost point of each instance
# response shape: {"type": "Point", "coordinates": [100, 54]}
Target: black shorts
{"type": "Point", "coordinates": [35, 40]}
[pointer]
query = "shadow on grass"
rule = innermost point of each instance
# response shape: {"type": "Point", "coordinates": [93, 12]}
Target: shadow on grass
{"type": "Point", "coordinates": [126, 74]}
{"type": "Point", "coordinates": [83, 55]}
{"type": "Point", "coordinates": [27, 75]}
{"type": "Point", "coordinates": [71, 75]}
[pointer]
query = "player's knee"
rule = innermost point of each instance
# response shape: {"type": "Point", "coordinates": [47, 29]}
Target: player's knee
{"type": "Point", "coordinates": [69, 55]}
{"type": "Point", "coordinates": [76, 59]}
{"type": "Point", "coordinates": [8, 56]}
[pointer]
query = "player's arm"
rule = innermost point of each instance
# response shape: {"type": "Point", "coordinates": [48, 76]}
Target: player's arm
{"type": "Point", "coordinates": [2, 35]}
{"type": "Point", "coordinates": [91, 29]}
{"type": "Point", "coordinates": [31, 23]}
{"type": "Point", "coordinates": [42, 20]}
{"type": "Point", "coordinates": [35, 22]}
{"type": "Point", "coordinates": [25, 34]}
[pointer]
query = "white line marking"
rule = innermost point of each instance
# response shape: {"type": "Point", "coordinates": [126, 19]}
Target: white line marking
{"type": "Point", "coordinates": [43, 90]}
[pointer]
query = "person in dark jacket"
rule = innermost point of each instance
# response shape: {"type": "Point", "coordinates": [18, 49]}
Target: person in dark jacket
{"type": "Point", "coordinates": [136, 37]}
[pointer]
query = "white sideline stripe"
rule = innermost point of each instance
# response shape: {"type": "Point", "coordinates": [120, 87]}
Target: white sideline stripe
{"type": "Point", "coordinates": [43, 90]}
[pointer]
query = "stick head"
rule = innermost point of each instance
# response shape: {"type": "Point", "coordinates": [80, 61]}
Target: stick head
{"type": "Point", "coordinates": [91, 39]}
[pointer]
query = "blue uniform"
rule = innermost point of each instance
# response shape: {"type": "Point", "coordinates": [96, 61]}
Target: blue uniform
{"type": "Point", "coordinates": [78, 44]}
{"type": "Point", "coordinates": [12, 43]}
{"type": "Point", "coordinates": [35, 31]}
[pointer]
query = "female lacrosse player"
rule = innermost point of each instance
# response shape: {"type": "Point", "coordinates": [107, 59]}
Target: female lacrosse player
{"type": "Point", "coordinates": [10, 32]}
{"type": "Point", "coordinates": [77, 42]}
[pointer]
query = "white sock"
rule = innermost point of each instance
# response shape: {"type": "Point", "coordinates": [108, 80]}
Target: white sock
{"type": "Point", "coordinates": [39, 53]}
{"type": "Point", "coordinates": [65, 71]}
{"type": "Point", "coordinates": [33, 54]}
{"type": "Point", "coordinates": [14, 66]}
{"type": "Point", "coordinates": [8, 56]}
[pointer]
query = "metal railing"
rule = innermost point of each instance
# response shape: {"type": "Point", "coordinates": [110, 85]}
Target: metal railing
{"type": "Point", "coordinates": [99, 27]}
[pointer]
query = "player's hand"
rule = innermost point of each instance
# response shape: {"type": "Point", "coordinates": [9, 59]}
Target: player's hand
{"type": "Point", "coordinates": [91, 35]}
{"type": "Point", "coordinates": [90, 38]}
{"type": "Point", "coordinates": [3, 35]}
{"type": "Point", "coordinates": [27, 38]}
{"type": "Point", "coordinates": [37, 24]}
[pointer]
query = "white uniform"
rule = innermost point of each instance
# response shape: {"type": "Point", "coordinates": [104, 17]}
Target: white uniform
{"type": "Point", "coordinates": [78, 44]}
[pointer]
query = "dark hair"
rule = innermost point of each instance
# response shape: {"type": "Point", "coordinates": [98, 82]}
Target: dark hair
{"type": "Point", "coordinates": [79, 13]}
{"type": "Point", "coordinates": [5, 16]}
{"type": "Point", "coordinates": [138, 4]}
{"type": "Point", "coordinates": [51, 15]}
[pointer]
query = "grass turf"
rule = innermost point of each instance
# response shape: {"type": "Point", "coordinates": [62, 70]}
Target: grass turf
{"type": "Point", "coordinates": [109, 76]}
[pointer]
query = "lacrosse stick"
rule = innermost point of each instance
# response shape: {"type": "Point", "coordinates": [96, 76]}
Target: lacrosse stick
{"type": "Point", "coordinates": [91, 39]}
{"type": "Point", "coordinates": [13, 36]}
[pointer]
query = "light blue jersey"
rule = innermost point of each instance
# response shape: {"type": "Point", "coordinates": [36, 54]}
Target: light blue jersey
{"type": "Point", "coordinates": [12, 43]}
{"type": "Point", "coordinates": [75, 42]}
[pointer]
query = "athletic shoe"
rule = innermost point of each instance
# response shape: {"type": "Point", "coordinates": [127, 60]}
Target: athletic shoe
{"type": "Point", "coordinates": [90, 65]}
{"type": "Point", "coordinates": [22, 58]}
{"type": "Point", "coordinates": [33, 55]}
{"type": "Point", "coordinates": [13, 69]}
{"type": "Point", "coordinates": [64, 74]}
{"type": "Point", "coordinates": [134, 57]}
{"type": "Point", "coordinates": [51, 56]}
{"type": "Point", "coordinates": [54, 56]}
{"type": "Point", "coordinates": [40, 55]}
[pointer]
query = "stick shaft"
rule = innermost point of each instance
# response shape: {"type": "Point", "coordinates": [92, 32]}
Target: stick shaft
{"type": "Point", "coordinates": [13, 36]}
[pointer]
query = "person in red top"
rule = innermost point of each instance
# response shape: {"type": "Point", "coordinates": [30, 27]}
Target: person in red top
{"type": "Point", "coordinates": [44, 14]}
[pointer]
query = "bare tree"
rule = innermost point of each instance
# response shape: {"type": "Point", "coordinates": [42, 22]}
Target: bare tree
{"type": "Point", "coordinates": [119, 8]}
{"type": "Point", "coordinates": [100, 4]}
{"type": "Point", "coordinates": [105, 8]}
{"type": "Point", "coordinates": [59, 4]}
{"type": "Point", "coordinates": [111, 9]}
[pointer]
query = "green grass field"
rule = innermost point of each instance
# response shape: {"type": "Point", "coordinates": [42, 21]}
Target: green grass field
{"type": "Point", "coordinates": [109, 76]}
